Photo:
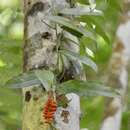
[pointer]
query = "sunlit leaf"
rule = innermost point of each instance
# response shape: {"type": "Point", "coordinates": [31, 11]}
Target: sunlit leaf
{"type": "Point", "coordinates": [99, 29]}
{"type": "Point", "coordinates": [2, 63]}
{"type": "Point", "coordinates": [95, 24]}
{"type": "Point", "coordinates": [6, 17]}
{"type": "Point", "coordinates": [16, 31]}
{"type": "Point", "coordinates": [92, 4]}
{"type": "Point", "coordinates": [83, 10]}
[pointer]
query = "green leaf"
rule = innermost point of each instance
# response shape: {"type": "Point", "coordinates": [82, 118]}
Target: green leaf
{"type": "Point", "coordinates": [83, 59]}
{"type": "Point", "coordinates": [46, 77]}
{"type": "Point", "coordinates": [82, 10]}
{"type": "Point", "coordinates": [70, 37]}
{"type": "Point", "coordinates": [23, 80]}
{"type": "Point", "coordinates": [99, 28]}
{"type": "Point", "coordinates": [82, 49]}
{"type": "Point", "coordinates": [32, 78]}
{"type": "Point", "coordinates": [70, 26]}
{"type": "Point", "coordinates": [6, 17]}
{"type": "Point", "coordinates": [115, 4]}
{"type": "Point", "coordinates": [87, 88]}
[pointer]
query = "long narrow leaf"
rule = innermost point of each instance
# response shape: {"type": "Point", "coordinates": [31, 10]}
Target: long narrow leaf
{"type": "Point", "coordinates": [23, 80]}
{"type": "Point", "coordinates": [70, 26]}
{"type": "Point", "coordinates": [83, 10]}
{"type": "Point", "coordinates": [86, 88]}
{"type": "Point", "coordinates": [83, 59]}
{"type": "Point", "coordinates": [99, 29]}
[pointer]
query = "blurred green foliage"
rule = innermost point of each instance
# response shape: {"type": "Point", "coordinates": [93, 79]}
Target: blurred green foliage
{"type": "Point", "coordinates": [11, 35]}
{"type": "Point", "coordinates": [11, 43]}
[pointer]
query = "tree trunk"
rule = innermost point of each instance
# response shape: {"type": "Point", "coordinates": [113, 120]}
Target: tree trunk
{"type": "Point", "coordinates": [40, 42]}
{"type": "Point", "coordinates": [117, 74]}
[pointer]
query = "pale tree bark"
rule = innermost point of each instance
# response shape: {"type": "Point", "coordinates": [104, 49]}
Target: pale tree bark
{"type": "Point", "coordinates": [39, 52]}
{"type": "Point", "coordinates": [117, 74]}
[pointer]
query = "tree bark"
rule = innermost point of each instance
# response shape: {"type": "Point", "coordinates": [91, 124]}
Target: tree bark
{"type": "Point", "coordinates": [117, 72]}
{"type": "Point", "coordinates": [40, 43]}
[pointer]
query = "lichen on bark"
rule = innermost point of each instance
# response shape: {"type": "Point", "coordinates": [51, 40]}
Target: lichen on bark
{"type": "Point", "coordinates": [39, 52]}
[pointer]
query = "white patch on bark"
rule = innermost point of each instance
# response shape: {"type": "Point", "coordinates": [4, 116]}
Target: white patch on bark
{"type": "Point", "coordinates": [74, 114]}
{"type": "Point", "coordinates": [36, 25]}
{"type": "Point", "coordinates": [39, 53]}
{"type": "Point", "coordinates": [123, 33]}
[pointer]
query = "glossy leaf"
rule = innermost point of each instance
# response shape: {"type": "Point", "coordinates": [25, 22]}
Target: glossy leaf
{"type": "Point", "coordinates": [83, 59]}
{"type": "Point", "coordinates": [70, 26]}
{"type": "Point", "coordinates": [87, 88]}
{"type": "Point", "coordinates": [23, 80]}
{"type": "Point", "coordinates": [32, 78]}
{"type": "Point", "coordinates": [70, 37]}
{"type": "Point", "coordinates": [99, 29]}
{"type": "Point", "coordinates": [82, 10]}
